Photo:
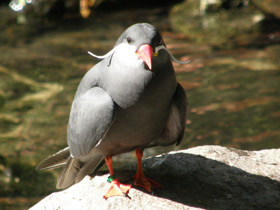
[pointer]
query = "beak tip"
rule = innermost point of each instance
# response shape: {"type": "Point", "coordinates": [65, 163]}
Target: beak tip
{"type": "Point", "coordinates": [149, 66]}
{"type": "Point", "coordinates": [145, 53]}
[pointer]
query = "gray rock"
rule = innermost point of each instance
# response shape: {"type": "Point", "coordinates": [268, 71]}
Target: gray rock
{"type": "Point", "coordinates": [206, 177]}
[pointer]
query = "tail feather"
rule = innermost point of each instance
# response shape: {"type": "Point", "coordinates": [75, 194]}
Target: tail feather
{"type": "Point", "coordinates": [74, 169]}
{"type": "Point", "coordinates": [90, 167]}
{"type": "Point", "coordinates": [56, 160]}
{"type": "Point", "coordinates": [68, 175]}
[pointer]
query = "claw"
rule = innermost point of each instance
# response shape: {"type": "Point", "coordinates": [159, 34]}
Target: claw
{"type": "Point", "coordinates": [117, 189]}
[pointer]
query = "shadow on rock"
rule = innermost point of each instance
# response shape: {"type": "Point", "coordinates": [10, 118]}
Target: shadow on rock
{"type": "Point", "coordinates": [197, 181]}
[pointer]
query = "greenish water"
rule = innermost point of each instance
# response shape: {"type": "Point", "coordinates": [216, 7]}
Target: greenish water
{"type": "Point", "coordinates": [233, 94]}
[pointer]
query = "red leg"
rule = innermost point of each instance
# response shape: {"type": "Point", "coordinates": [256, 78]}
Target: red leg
{"type": "Point", "coordinates": [140, 179]}
{"type": "Point", "coordinates": [109, 163]}
{"type": "Point", "coordinates": [116, 188]}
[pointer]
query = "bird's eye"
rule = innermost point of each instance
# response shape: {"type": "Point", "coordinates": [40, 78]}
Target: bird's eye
{"type": "Point", "coordinates": [128, 39]}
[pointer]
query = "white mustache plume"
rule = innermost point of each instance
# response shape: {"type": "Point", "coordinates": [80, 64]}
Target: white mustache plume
{"type": "Point", "coordinates": [162, 47]}
{"type": "Point", "coordinates": [111, 52]}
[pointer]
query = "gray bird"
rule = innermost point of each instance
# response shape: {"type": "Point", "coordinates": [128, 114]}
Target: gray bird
{"type": "Point", "coordinates": [129, 100]}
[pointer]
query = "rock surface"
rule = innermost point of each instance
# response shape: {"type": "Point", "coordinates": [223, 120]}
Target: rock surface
{"type": "Point", "coordinates": [205, 177]}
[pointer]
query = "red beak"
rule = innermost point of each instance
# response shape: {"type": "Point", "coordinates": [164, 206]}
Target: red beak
{"type": "Point", "coordinates": [145, 52]}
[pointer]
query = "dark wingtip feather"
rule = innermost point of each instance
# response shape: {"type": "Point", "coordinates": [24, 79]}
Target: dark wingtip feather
{"type": "Point", "coordinates": [56, 160]}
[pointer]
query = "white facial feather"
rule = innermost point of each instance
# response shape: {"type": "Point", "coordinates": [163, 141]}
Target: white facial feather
{"type": "Point", "coordinates": [128, 52]}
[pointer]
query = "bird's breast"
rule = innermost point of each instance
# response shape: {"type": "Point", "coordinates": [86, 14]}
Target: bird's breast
{"type": "Point", "coordinates": [126, 83]}
{"type": "Point", "coordinates": [143, 99]}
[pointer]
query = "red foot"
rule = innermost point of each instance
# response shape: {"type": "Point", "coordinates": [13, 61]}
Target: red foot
{"type": "Point", "coordinates": [146, 183]}
{"type": "Point", "coordinates": [117, 189]}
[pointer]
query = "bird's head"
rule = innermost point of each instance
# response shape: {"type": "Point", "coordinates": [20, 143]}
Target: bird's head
{"type": "Point", "coordinates": [144, 40]}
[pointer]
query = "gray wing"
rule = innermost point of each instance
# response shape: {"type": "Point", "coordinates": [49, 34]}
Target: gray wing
{"type": "Point", "coordinates": [91, 116]}
{"type": "Point", "coordinates": [175, 126]}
